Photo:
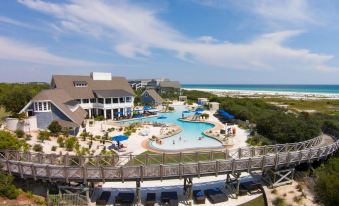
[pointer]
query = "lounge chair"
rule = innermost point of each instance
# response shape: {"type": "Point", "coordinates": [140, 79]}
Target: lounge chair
{"type": "Point", "coordinates": [251, 187]}
{"type": "Point", "coordinates": [216, 196]}
{"type": "Point", "coordinates": [104, 197]}
{"type": "Point", "coordinates": [150, 199]}
{"type": "Point", "coordinates": [169, 198]}
{"type": "Point", "coordinates": [124, 199]}
{"type": "Point", "coordinates": [199, 197]}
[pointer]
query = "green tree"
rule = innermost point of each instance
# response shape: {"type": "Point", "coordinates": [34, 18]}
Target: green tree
{"type": "Point", "coordinates": [55, 127]}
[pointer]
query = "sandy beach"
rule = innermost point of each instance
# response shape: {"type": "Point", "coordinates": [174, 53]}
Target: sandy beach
{"type": "Point", "coordinates": [268, 94]}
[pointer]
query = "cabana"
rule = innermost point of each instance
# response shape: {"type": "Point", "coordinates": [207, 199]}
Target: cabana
{"type": "Point", "coordinates": [119, 139]}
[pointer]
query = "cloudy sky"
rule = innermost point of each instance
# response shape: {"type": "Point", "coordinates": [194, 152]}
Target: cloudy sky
{"type": "Point", "coordinates": [194, 41]}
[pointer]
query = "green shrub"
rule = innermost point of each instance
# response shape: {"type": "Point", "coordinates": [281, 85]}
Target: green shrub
{"type": "Point", "coordinates": [70, 143]}
{"type": "Point", "coordinates": [54, 148]}
{"type": "Point", "coordinates": [19, 133]}
{"type": "Point", "coordinates": [61, 142]}
{"type": "Point", "coordinates": [37, 148]}
{"type": "Point", "coordinates": [327, 182]}
{"type": "Point", "coordinates": [278, 202]}
{"type": "Point", "coordinates": [7, 189]}
{"type": "Point", "coordinates": [99, 118]}
{"type": "Point", "coordinates": [44, 135]}
{"type": "Point", "coordinates": [55, 127]}
{"type": "Point", "coordinates": [9, 141]}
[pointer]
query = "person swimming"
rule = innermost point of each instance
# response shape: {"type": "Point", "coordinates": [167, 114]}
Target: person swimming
{"type": "Point", "coordinates": [173, 141]}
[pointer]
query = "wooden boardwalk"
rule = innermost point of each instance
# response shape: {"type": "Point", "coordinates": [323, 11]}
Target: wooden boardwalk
{"type": "Point", "coordinates": [67, 168]}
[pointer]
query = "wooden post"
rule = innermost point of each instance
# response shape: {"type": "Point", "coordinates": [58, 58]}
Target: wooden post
{"type": "Point", "coordinates": [180, 157]}
{"type": "Point", "coordinates": [102, 173]}
{"type": "Point", "coordinates": [226, 154]}
{"type": "Point", "coordinates": [33, 172]}
{"type": "Point", "coordinates": [249, 165]}
{"type": "Point", "coordinates": [276, 161]}
{"type": "Point", "coordinates": [163, 158]}
{"type": "Point", "coordinates": [141, 173]}
{"type": "Point", "coordinates": [146, 159]}
{"type": "Point", "coordinates": [263, 162]}
{"type": "Point", "coordinates": [217, 166]}
{"type": "Point", "coordinates": [161, 171]}
{"type": "Point", "coordinates": [84, 173]}
{"type": "Point", "coordinates": [122, 173]}
{"type": "Point", "coordinates": [199, 169]}
{"type": "Point", "coordinates": [233, 166]}
{"type": "Point", "coordinates": [239, 153]}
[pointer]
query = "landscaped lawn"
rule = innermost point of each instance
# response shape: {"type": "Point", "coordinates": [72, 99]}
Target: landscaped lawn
{"type": "Point", "coordinates": [153, 158]}
{"type": "Point", "coordinates": [259, 201]}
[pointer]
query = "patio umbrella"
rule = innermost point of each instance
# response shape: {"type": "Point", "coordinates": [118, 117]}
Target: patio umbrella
{"type": "Point", "coordinates": [162, 117]}
{"type": "Point", "coordinates": [147, 108]}
{"type": "Point", "coordinates": [199, 109]}
{"type": "Point", "coordinates": [186, 112]}
{"type": "Point", "coordinates": [198, 113]}
{"type": "Point", "coordinates": [119, 138]}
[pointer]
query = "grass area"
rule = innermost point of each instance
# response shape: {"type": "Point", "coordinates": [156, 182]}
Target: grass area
{"type": "Point", "coordinates": [3, 113]}
{"type": "Point", "coordinates": [154, 158]}
{"type": "Point", "coordinates": [323, 106]}
{"type": "Point", "coordinates": [259, 201]}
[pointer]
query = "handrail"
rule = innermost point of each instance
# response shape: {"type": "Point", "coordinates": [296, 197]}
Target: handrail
{"type": "Point", "coordinates": [163, 171]}
{"type": "Point", "coordinates": [163, 158]}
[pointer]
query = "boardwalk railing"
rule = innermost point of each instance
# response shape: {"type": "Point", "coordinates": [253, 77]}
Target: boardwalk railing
{"type": "Point", "coordinates": [150, 159]}
{"type": "Point", "coordinates": [84, 173]}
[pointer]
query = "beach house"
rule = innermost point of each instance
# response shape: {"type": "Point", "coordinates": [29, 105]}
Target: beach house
{"type": "Point", "coordinates": [72, 98]}
{"type": "Point", "coordinates": [151, 97]}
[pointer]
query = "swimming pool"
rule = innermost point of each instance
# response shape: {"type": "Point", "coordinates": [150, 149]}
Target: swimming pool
{"type": "Point", "coordinates": [188, 138]}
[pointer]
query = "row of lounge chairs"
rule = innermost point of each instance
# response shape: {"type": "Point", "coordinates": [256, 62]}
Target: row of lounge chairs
{"type": "Point", "coordinates": [215, 196]}
{"type": "Point", "coordinates": [128, 199]}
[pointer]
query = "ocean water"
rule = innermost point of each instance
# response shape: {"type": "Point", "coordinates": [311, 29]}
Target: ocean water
{"type": "Point", "coordinates": [326, 89]}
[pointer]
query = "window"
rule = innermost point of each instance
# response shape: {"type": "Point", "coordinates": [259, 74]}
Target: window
{"type": "Point", "coordinates": [146, 94]}
{"type": "Point", "coordinates": [93, 100]}
{"type": "Point", "coordinates": [42, 106]}
{"type": "Point", "coordinates": [101, 100]}
{"type": "Point", "coordinates": [85, 101]}
{"type": "Point", "coordinates": [128, 99]}
{"type": "Point", "coordinates": [115, 100]}
{"type": "Point", "coordinates": [108, 101]}
{"type": "Point", "coordinates": [122, 100]}
{"type": "Point", "coordinates": [80, 83]}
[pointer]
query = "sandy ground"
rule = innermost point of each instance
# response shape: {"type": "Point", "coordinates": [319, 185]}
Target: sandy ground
{"type": "Point", "coordinates": [292, 195]}
{"type": "Point", "coordinates": [249, 93]}
{"type": "Point", "coordinates": [157, 187]}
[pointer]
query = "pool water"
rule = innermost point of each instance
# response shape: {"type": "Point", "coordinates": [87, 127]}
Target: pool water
{"type": "Point", "coordinates": [191, 136]}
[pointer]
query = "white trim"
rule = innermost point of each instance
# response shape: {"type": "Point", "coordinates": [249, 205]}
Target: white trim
{"type": "Point", "coordinates": [26, 106]}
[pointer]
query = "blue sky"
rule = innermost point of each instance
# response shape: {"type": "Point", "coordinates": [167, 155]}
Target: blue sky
{"type": "Point", "coordinates": [193, 41]}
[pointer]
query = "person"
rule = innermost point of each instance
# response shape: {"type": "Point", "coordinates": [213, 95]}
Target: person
{"type": "Point", "coordinates": [180, 138]}
{"type": "Point", "coordinates": [173, 141]}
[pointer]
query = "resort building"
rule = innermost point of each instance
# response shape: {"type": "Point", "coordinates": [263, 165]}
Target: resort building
{"type": "Point", "coordinates": [151, 97]}
{"type": "Point", "coordinates": [202, 101]}
{"type": "Point", "coordinates": [182, 98]}
{"type": "Point", "coordinates": [214, 106]}
{"type": "Point", "coordinates": [172, 87]}
{"type": "Point", "coordinates": [72, 98]}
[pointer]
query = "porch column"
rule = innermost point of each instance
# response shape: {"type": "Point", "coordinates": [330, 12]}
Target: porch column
{"type": "Point", "coordinates": [89, 113]}
{"type": "Point", "coordinates": [112, 114]}
{"type": "Point", "coordinates": [105, 113]}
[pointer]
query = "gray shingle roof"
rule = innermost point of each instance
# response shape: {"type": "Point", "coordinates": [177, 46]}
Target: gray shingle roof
{"type": "Point", "coordinates": [66, 82]}
{"type": "Point", "coordinates": [111, 93]}
{"type": "Point", "coordinates": [59, 98]}
{"type": "Point", "coordinates": [152, 93]}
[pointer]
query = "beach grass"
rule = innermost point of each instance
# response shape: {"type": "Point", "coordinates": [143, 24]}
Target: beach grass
{"type": "Point", "coordinates": [259, 201]}
{"type": "Point", "coordinates": [323, 106]}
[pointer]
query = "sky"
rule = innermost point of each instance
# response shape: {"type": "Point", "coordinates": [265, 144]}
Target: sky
{"type": "Point", "coordinates": [193, 41]}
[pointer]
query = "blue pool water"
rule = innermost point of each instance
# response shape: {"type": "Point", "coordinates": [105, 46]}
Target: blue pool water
{"type": "Point", "coordinates": [191, 131]}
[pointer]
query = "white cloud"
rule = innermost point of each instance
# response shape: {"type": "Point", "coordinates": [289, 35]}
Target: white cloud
{"type": "Point", "coordinates": [16, 51]}
{"type": "Point", "coordinates": [135, 31]}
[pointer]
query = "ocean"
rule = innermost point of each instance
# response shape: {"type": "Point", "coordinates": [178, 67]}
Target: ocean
{"type": "Point", "coordinates": [298, 88]}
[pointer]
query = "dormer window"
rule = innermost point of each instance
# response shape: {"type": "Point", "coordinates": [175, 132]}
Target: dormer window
{"type": "Point", "coordinates": [80, 83]}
